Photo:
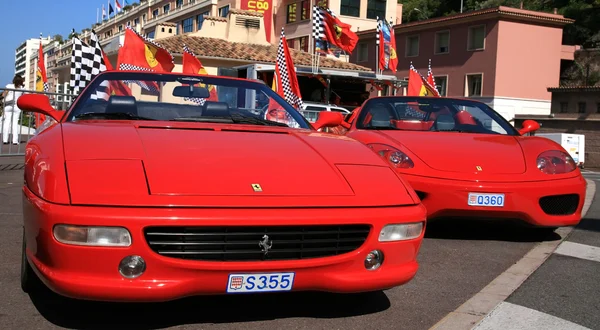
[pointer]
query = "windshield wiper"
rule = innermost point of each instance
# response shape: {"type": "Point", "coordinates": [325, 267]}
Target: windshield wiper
{"type": "Point", "coordinates": [111, 115]}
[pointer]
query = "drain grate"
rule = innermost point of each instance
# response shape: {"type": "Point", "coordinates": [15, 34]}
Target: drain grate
{"type": "Point", "coordinates": [11, 167]}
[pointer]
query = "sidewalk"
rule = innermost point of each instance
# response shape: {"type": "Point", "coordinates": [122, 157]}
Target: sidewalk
{"type": "Point", "coordinates": [564, 292]}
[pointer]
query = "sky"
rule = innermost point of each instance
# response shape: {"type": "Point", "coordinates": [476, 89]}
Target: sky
{"type": "Point", "coordinates": [24, 19]}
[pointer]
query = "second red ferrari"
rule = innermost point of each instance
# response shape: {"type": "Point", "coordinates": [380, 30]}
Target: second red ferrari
{"type": "Point", "coordinates": [465, 160]}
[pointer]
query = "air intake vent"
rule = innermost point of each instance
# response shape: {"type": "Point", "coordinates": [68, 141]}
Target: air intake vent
{"type": "Point", "coordinates": [249, 23]}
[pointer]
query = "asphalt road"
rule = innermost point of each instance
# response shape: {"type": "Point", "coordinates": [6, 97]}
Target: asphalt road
{"type": "Point", "coordinates": [456, 261]}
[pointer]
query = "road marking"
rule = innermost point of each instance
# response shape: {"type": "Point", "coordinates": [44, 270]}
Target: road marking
{"type": "Point", "coordinates": [580, 251]}
{"type": "Point", "coordinates": [493, 295]}
{"type": "Point", "coordinates": [511, 316]}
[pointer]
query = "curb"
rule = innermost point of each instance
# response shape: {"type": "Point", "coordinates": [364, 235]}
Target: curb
{"type": "Point", "coordinates": [473, 311]}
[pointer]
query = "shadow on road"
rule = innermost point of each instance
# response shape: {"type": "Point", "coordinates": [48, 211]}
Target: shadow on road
{"type": "Point", "coordinates": [71, 313]}
{"type": "Point", "coordinates": [488, 230]}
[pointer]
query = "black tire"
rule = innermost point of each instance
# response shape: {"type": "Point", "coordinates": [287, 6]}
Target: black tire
{"type": "Point", "coordinates": [29, 280]}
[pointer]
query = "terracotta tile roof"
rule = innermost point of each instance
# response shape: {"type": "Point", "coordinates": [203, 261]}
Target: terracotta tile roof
{"type": "Point", "coordinates": [501, 10]}
{"type": "Point", "coordinates": [167, 24]}
{"type": "Point", "coordinates": [220, 48]}
{"type": "Point", "coordinates": [245, 12]}
{"type": "Point", "coordinates": [215, 18]}
{"type": "Point", "coordinates": [574, 89]}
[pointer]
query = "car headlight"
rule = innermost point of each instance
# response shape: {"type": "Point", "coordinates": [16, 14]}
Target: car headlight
{"type": "Point", "coordinates": [92, 236]}
{"type": "Point", "coordinates": [401, 232]}
{"type": "Point", "coordinates": [555, 162]}
{"type": "Point", "coordinates": [392, 155]}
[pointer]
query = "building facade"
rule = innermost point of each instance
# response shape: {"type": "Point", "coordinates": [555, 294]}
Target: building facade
{"type": "Point", "coordinates": [187, 16]}
{"type": "Point", "coordinates": [23, 55]}
{"type": "Point", "coordinates": [503, 56]}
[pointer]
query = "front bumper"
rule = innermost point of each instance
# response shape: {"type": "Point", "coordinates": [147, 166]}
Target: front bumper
{"type": "Point", "coordinates": [92, 272]}
{"type": "Point", "coordinates": [444, 198]}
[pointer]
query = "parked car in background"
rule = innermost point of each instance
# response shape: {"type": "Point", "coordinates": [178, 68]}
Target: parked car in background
{"type": "Point", "coordinates": [465, 160]}
{"type": "Point", "coordinates": [310, 110]}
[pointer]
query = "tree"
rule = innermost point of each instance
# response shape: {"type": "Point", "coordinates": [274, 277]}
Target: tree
{"type": "Point", "coordinates": [58, 37]}
{"type": "Point", "coordinates": [585, 70]}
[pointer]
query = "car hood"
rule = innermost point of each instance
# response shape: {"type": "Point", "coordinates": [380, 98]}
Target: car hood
{"type": "Point", "coordinates": [188, 164]}
{"type": "Point", "coordinates": [463, 152]}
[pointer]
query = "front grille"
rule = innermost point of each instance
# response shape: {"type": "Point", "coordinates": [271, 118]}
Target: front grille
{"type": "Point", "coordinates": [560, 204]}
{"type": "Point", "coordinates": [233, 243]}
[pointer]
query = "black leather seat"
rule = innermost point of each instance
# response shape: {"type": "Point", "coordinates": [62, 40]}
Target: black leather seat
{"type": "Point", "coordinates": [124, 104]}
{"type": "Point", "coordinates": [216, 109]}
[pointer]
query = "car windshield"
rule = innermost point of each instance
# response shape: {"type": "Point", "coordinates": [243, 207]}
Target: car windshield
{"type": "Point", "coordinates": [180, 97]}
{"type": "Point", "coordinates": [432, 115]}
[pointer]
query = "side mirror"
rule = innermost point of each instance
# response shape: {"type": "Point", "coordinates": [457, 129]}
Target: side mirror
{"type": "Point", "coordinates": [328, 119]}
{"type": "Point", "coordinates": [529, 126]}
{"type": "Point", "coordinates": [38, 103]}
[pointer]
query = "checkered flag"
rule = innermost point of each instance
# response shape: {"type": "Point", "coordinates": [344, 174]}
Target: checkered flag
{"type": "Point", "coordinates": [286, 74]}
{"type": "Point", "coordinates": [87, 61]}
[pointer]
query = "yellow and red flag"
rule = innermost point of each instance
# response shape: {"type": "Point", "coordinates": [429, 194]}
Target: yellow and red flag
{"type": "Point", "coordinates": [418, 85]}
{"type": "Point", "coordinates": [338, 33]}
{"type": "Point", "coordinates": [41, 81]}
{"type": "Point", "coordinates": [192, 64]}
{"type": "Point", "coordinates": [140, 53]}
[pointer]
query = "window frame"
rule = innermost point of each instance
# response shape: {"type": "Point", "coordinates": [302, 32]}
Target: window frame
{"type": "Point", "coordinates": [469, 35]}
{"type": "Point", "coordinates": [436, 44]}
{"type": "Point", "coordinates": [355, 4]}
{"type": "Point", "coordinates": [384, 2]}
{"type": "Point", "coordinates": [467, 75]}
{"type": "Point", "coordinates": [418, 36]}
{"type": "Point", "coordinates": [446, 86]}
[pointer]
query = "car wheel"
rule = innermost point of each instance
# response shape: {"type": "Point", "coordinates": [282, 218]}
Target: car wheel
{"type": "Point", "coordinates": [28, 276]}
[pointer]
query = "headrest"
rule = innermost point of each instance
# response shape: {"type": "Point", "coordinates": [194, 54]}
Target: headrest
{"type": "Point", "coordinates": [380, 117]}
{"type": "Point", "coordinates": [216, 109]}
{"type": "Point", "coordinates": [445, 122]}
{"type": "Point", "coordinates": [125, 104]}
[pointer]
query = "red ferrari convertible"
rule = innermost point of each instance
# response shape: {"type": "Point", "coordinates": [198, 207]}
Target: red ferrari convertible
{"type": "Point", "coordinates": [465, 160]}
{"type": "Point", "coordinates": [196, 185]}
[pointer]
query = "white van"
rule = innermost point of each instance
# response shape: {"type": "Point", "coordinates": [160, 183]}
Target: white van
{"type": "Point", "coordinates": [311, 110]}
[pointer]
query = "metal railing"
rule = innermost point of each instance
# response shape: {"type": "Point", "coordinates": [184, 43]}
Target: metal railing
{"type": "Point", "coordinates": [17, 131]}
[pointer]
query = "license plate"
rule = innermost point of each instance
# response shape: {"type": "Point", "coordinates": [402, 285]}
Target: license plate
{"type": "Point", "coordinates": [495, 200]}
{"type": "Point", "coordinates": [268, 282]}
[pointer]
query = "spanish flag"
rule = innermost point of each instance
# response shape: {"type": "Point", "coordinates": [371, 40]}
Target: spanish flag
{"type": "Point", "coordinates": [418, 85]}
{"type": "Point", "coordinates": [41, 81]}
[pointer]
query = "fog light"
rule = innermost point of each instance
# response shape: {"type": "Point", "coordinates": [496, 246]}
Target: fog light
{"type": "Point", "coordinates": [132, 266]}
{"type": "Point", "coordinates": [374, 260]}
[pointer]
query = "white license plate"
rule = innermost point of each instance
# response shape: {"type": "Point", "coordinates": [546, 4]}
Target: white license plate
{"type": "Point", "coordinates": [267, 282]}
{"type": "Point", "coordinates": [494, 200]}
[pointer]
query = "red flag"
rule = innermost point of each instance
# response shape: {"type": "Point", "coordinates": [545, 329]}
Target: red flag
{"type": "Point", "coordinates": [393, 55]}
{"type": "Point", "coordinates": [41, 81]}
{"type": "Point", "coordinates": [418, 85]}
{"type": "Point", "coordinates": [116, 87]}
{"type": "Point", "coordinates": [431, 79]}
{"type": "Point", "coordinates": [338, 33]}
{"type": "Point", "coordinates": [139, 53]}
{"type": "Point", "coordinates": [191, 64]}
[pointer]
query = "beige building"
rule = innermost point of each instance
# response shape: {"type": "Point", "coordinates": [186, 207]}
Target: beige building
{"type": "Point", "coordinates": [23, 55]}
{"type": "Point", "coordinates": [226, 39]}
